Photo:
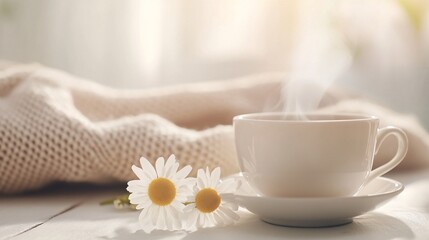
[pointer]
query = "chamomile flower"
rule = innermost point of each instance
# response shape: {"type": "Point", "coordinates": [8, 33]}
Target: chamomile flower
{"type": "Point", "coordinates": [207, 207]}
{"type": "Point", "coordinates": [160, 192]}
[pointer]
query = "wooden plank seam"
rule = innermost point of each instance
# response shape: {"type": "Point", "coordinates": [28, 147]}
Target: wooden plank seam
{"type": "Point", "coordinates": [47, 220]}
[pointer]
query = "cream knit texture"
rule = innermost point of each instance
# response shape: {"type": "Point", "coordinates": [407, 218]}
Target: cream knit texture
{"type": "Point", "coordinates": [57, 127]}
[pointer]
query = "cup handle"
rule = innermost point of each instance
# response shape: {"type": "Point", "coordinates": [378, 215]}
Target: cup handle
{"type": "Point", "coordinates": [400, 153]}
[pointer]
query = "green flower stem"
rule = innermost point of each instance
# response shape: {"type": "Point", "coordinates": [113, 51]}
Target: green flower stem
{"type": "Point", "coordinates": [123, 201]}
{"type": "Point", "coordinates": [107, 202]}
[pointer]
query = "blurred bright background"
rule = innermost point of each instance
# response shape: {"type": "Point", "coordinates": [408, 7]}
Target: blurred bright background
{"type": "Point", "coordinates": [377, 48]}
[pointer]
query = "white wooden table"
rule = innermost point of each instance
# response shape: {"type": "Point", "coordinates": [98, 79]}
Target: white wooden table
{"type": "Point", "coordinates": [74, 213]}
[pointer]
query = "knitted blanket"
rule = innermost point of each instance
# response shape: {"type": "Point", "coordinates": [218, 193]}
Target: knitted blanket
{"type": "Point", "coordinates": [57, 127]}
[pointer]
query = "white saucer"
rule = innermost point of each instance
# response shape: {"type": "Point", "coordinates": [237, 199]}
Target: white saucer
{"type": "Point", "coordinates": [320, 212]}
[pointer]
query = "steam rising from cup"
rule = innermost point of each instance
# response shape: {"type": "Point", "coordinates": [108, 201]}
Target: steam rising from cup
{"type": "Point", "coordinates": [320, 57]}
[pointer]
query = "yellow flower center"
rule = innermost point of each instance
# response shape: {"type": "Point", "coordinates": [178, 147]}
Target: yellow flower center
{"type": "Point", "coordinates": [161, 191]}
{"type": "Point", "coordinates": [207, 200]}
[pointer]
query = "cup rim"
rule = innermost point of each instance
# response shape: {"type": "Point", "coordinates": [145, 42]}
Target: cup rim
{"type": "Point", "coordinates": [340, 117]}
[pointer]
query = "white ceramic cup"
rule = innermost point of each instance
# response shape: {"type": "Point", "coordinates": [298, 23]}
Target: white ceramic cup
{"type": "Point", "coordinates": [322, 156]}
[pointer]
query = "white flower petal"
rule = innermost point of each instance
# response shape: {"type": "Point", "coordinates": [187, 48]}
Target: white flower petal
{"type": "Point", "coordinates": [177, 222]}
{"type": "Point", "coordinates": [137, 183]}
{"type": "Point", "coordinates": [172, 171]}
{"type": "Point", "coordinates": [182, 195]}
{"type": "Point", "coordinates": [143, 216]}
{"type": "Point", "coordinates": [200, 186]}
{"type": "Point", "coordinates": [212, 221]}
{"type": "Point", "coordinates": [144, 221]}
{"type": "Point", "coordinates": [139, 199]}
{"type": "Point", "coordinates": [146, 225]}
{"type": "Point", "coordinates": [172, 218]}
{"type": "Point", "coordinates": [187, 183]}
{"type": "Point", "coordinates": [218, 218]}
{"type": "Point", "coordinates": [190, 198]}
{"type": "Point", "coordinates": [207, 220]}
{"type": "Point", "coordinates": [231, 205]}
{"type": "Point", "coordinates": [207, 175]}
{"type": "Point", "coordinates": [228, 197]}
{"type": "Point", "coordinates": [214, 178]}
{"type": "Point", "coordinates": [172, 211]}
{"type": "Point", "coordinates": [168, 218]}
{"type": "Point", "coordinates": [137, 194]}
{"type": "Point", "coordinates": [137, 189]}
{"type": "Point", "coordinates": [227, 186]}
{"type": "Point", "coordinates": [201, 179]}
{"type": "Point", "coordinates": [200, 173]}
{"type": "Point", "coordinates": [160, 223]}
{"type": "Point", "coordinates": [192, 219]}
{"type": "Point", "coordinates": [143, 204]}
{"type": "Point", "coordinates": [170, 162]}
{"type": "Point", "coordinates": [184, 172]}
{"type": "Point", "coordinates": [225, 218]}
{"type": "Point", "coordinates": [189, 208]}
{"type": "Point", "coordinates": [229, 213]}
{"type": "Point", "coordinates": [183, 198]}
{"type": "Point", "coordinates": [196, 189]}
{"type": "Point", "coordinates": [159, 165]}
{"type": "Point", "coordinates": [154, 214]}
{"type": "Point", "coordinates": [184, 189]}
{"type": "Point", "coordinates": [142, 175]}
{"type": "Point", "coordinates": [147, 167]}
{"type": "Point", "coordinates": [201, 220]}
{"type": "Point", "coordinates": [178, 205]}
